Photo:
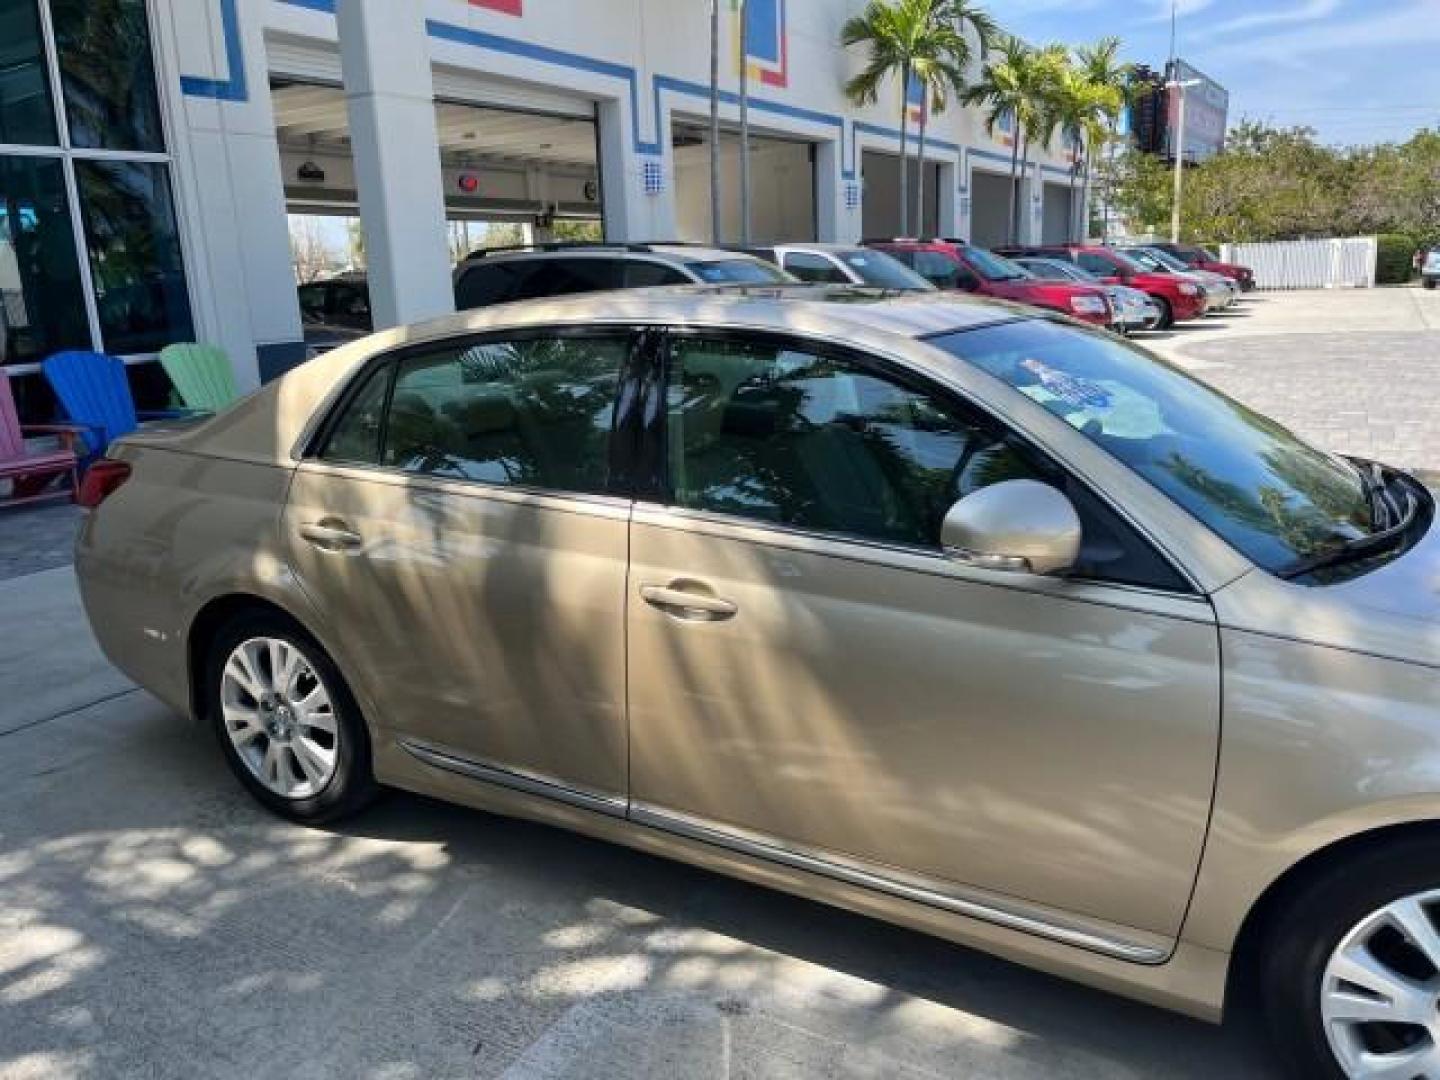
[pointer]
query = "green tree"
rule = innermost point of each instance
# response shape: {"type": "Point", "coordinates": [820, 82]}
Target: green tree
{"type": "Point", "coordinates": [1020, 82]}
{"type": "Point", "coordinates": [906, 39]}
{"type": "Point", "coordinates": [1110, 81]}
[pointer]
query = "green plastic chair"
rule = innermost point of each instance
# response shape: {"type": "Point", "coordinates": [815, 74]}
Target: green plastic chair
{"type": "Point", "coordinates": [202, 375]}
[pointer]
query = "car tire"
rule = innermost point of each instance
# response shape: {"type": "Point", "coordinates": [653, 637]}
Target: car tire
{"type": "Point", "coordinates": [1167, 313]}
{"type": "Point", "coordinates": [295, 738]}
{"type": "Point", "coordinates": [1353, 905]}
{"type": "Point", "coordinates": [1430, 283]}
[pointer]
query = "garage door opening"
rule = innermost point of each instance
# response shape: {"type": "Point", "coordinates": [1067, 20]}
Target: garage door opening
{"type": "Point", "coordinates": [990, 208]}
{"type": "Point", "coordinates": [510, 177]}
{"type": "Point", "coordinates": [1059, 223]}
{"type": "Point", "coordinates": [782, 186]}
{"type": "Point", "coordinates": [880, 175]}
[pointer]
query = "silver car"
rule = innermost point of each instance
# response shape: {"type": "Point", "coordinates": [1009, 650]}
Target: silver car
{"type": "Point", "coordinates": [1134, 310]}
{"type": "Point", "coordinates": [935, 608]}
{"type": "Point", "coordinates": [1220, 291]}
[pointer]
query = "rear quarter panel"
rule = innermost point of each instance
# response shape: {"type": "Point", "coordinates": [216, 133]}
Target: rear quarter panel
{"type": "Point", "coordinates": [183, 530]}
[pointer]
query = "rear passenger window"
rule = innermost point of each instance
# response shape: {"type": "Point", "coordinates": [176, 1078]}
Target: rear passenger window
{"type": "Point", "coordinates": [355, 437]}
{"type": "Point", "coordinates": [563, 277]}
{"type": "Point", "coordinates": [487, 283]}
{"type": "Point", "coordinates": [532, 413]}
{"type": "Point", "coordinates": [813, 268]}
{"type": "Point", "coordinates": [1097, 264]}
{"type": "Point", "coordinates": [645, 275]}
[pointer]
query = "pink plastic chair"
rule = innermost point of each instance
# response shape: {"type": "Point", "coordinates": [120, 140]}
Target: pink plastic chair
{"type": "Point", "coordinates": [31, 472]}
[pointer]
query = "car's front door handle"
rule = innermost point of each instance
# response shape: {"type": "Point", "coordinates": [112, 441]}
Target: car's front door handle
{"type": "Point", "coordinates": [331, 534]}
{"type": "Point", "coordinates": [682, 602]}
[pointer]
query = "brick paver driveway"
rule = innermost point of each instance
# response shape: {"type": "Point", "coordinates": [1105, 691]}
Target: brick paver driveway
{"type": "Point", "coordinates": [1353, 372]}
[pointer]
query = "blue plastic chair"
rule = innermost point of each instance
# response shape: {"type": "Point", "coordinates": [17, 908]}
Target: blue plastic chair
{"type": "Point", "coordinates": [95, 395]}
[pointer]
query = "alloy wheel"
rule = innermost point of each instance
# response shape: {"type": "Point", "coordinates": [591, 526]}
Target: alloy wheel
{"type": "Point", "coordinates": [280, 717]}
{"type": "Point", "coordinates": [1380, 994]}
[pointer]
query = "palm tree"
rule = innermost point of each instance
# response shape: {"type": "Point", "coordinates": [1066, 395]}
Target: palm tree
{"type": "Point", "coordinates": [963, 15]}
{"type": "Point", "coordinates": [1020, 83]}
{"type": "Point", "coordinates": [1079, 108]}
{"type": "Point", "coordinates": [907, 39]}
{"type": "Point", "coordinates": [1112, 81]}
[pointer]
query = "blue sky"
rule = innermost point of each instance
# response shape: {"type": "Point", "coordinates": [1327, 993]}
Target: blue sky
{"type": "Point", "coordinates": [1357, 71]}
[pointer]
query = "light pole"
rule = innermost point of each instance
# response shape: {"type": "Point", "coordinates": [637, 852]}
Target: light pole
{"type": "Point", "coordinates": [1180, 88]}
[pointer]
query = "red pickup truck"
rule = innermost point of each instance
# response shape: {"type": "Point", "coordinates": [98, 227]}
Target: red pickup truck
{"type": "Point", "coordinates": [1178, 300]}
{"type": "Point", "coordinates": [951, 264]}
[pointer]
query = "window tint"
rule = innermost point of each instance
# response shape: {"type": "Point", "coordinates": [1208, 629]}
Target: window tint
{"type": "Point", "coordinates": [877, 268]}
{"type": "Point", "coordinates": [107, 74]}
{"type": "Point", "coordinates": [42, 306]}
{"type": "Point", "coordinates": [738, 271]}
{"type": "Point", "coordinates": [312, 303]}
{"type": "Point", "coordinates": [562, 277]}
{"type": "Point", "coordinates": [535, 413]}
{"type": "Point", "coordinates": [25, 112]}
{"type": "Point", "coordinates": [643, 275]}
{"type": "Point", "coordinates": [350, 306]}
{"type": "Point", "coordinates": [355, 438]}
{"type": "Point", "coordinates": [135, 258]}
{"type": "Point", "coordinates": [816, 442]}
{"type": "Point", "coordinates": [488, 283]}
{"type": "Point", "coordinates": [1097, 264]}
{"type": "Point", "coordinates": [940, 270]}
{"type": "Point", "coordinates": [810, 267]}
{"type": "Point", "coordinates": [825, 443]}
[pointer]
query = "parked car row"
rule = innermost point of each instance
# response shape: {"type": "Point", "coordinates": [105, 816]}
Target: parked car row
{"type": "Point", "coordinates": [1124, 289]}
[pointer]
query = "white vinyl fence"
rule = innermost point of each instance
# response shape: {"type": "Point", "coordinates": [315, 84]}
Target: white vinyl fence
{"type": "Point", "coordinates": [1308, 264]}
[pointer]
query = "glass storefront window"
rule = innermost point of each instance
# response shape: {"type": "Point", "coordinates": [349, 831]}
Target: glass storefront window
{"type": "Point", "coordinates": [42, 306]}
{"type": "Point", "coordinates": [107, 74]}
{"type": "Point", "coordinates": [26, 113]}
{"type": "Point", "coordinates": [135, 258]}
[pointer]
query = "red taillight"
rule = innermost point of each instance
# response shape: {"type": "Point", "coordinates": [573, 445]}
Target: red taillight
{"type": "Point", "coordinates": [101, 481]}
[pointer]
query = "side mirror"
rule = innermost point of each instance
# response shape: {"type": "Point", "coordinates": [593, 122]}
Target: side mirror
{"type": "Point", "coordinates": [1019, 526]}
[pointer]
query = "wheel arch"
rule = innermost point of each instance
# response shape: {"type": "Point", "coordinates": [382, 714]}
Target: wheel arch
{"type": "Point", "coordinates": [207, 623]}
{"type": "Point", "coordinates": [1259, 921]}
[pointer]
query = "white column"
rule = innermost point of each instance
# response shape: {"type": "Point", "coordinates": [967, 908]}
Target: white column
{"type": "Point", "coordinates": [228, 183]}
{"type": "Point", "coordinates": [837, 224]}
{"type": "Point", "coordinates": [385, 62]}
{"type": "Point", "coordinates": [948, 202]}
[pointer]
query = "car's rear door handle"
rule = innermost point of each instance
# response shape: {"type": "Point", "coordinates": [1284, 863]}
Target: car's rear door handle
{"type": "Point", "coordinates": [680, 599]}
{"type": "Point", "coordinates": [331, 534]}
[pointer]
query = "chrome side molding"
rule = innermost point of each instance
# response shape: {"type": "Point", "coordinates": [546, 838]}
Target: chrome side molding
{"type": "Point", "coordinates": [823, 863]}
{"type": "Point", "coordinates": [530, 783]}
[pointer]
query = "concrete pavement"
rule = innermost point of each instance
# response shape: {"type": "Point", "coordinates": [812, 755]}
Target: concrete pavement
{"type": "Point", "coordinates": [155, 922]}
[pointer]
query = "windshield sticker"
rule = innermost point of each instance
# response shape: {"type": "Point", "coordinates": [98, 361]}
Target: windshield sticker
{"type": "Point", "coordinates": [1068, 388]}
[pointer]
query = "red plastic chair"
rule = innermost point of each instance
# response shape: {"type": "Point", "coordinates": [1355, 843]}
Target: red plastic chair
{"type": "Point", "coordinates": [31, 472]}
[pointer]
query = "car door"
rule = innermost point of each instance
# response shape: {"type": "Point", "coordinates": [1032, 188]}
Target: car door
{"type": "Point", "coordinates": [456, 527]}
{"type": "Point", "coordinates": [809, 676]}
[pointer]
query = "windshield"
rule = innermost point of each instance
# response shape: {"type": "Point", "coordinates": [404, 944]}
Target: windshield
{"type": "Point", "coordinates": [1164, 258]}
{"type": "Point", "coordinates": [738, 272]}
{"type": "Point", "coordinates": [877, 268]}
{"type": "Point", "coordinates": [1276, 499]}
{"type": "Point", "coordinates": [992, 267]}
{"type": "Point", "coordinates": [1144, 260]}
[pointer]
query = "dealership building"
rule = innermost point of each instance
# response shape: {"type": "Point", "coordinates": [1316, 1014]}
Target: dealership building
{"type": "Point", "coordinates": [151, 152]}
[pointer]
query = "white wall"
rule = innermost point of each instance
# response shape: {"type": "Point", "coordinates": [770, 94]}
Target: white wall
{"type": "Point", "coordinates": [781, 178]}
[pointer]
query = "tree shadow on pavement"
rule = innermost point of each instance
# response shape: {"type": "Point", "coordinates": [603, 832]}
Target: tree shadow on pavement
{"type": "Point", "coordinates": [153, 921]}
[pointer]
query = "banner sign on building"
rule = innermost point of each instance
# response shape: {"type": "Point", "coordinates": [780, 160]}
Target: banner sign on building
{"type": "Point", "coordinates": [1207, 110]}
